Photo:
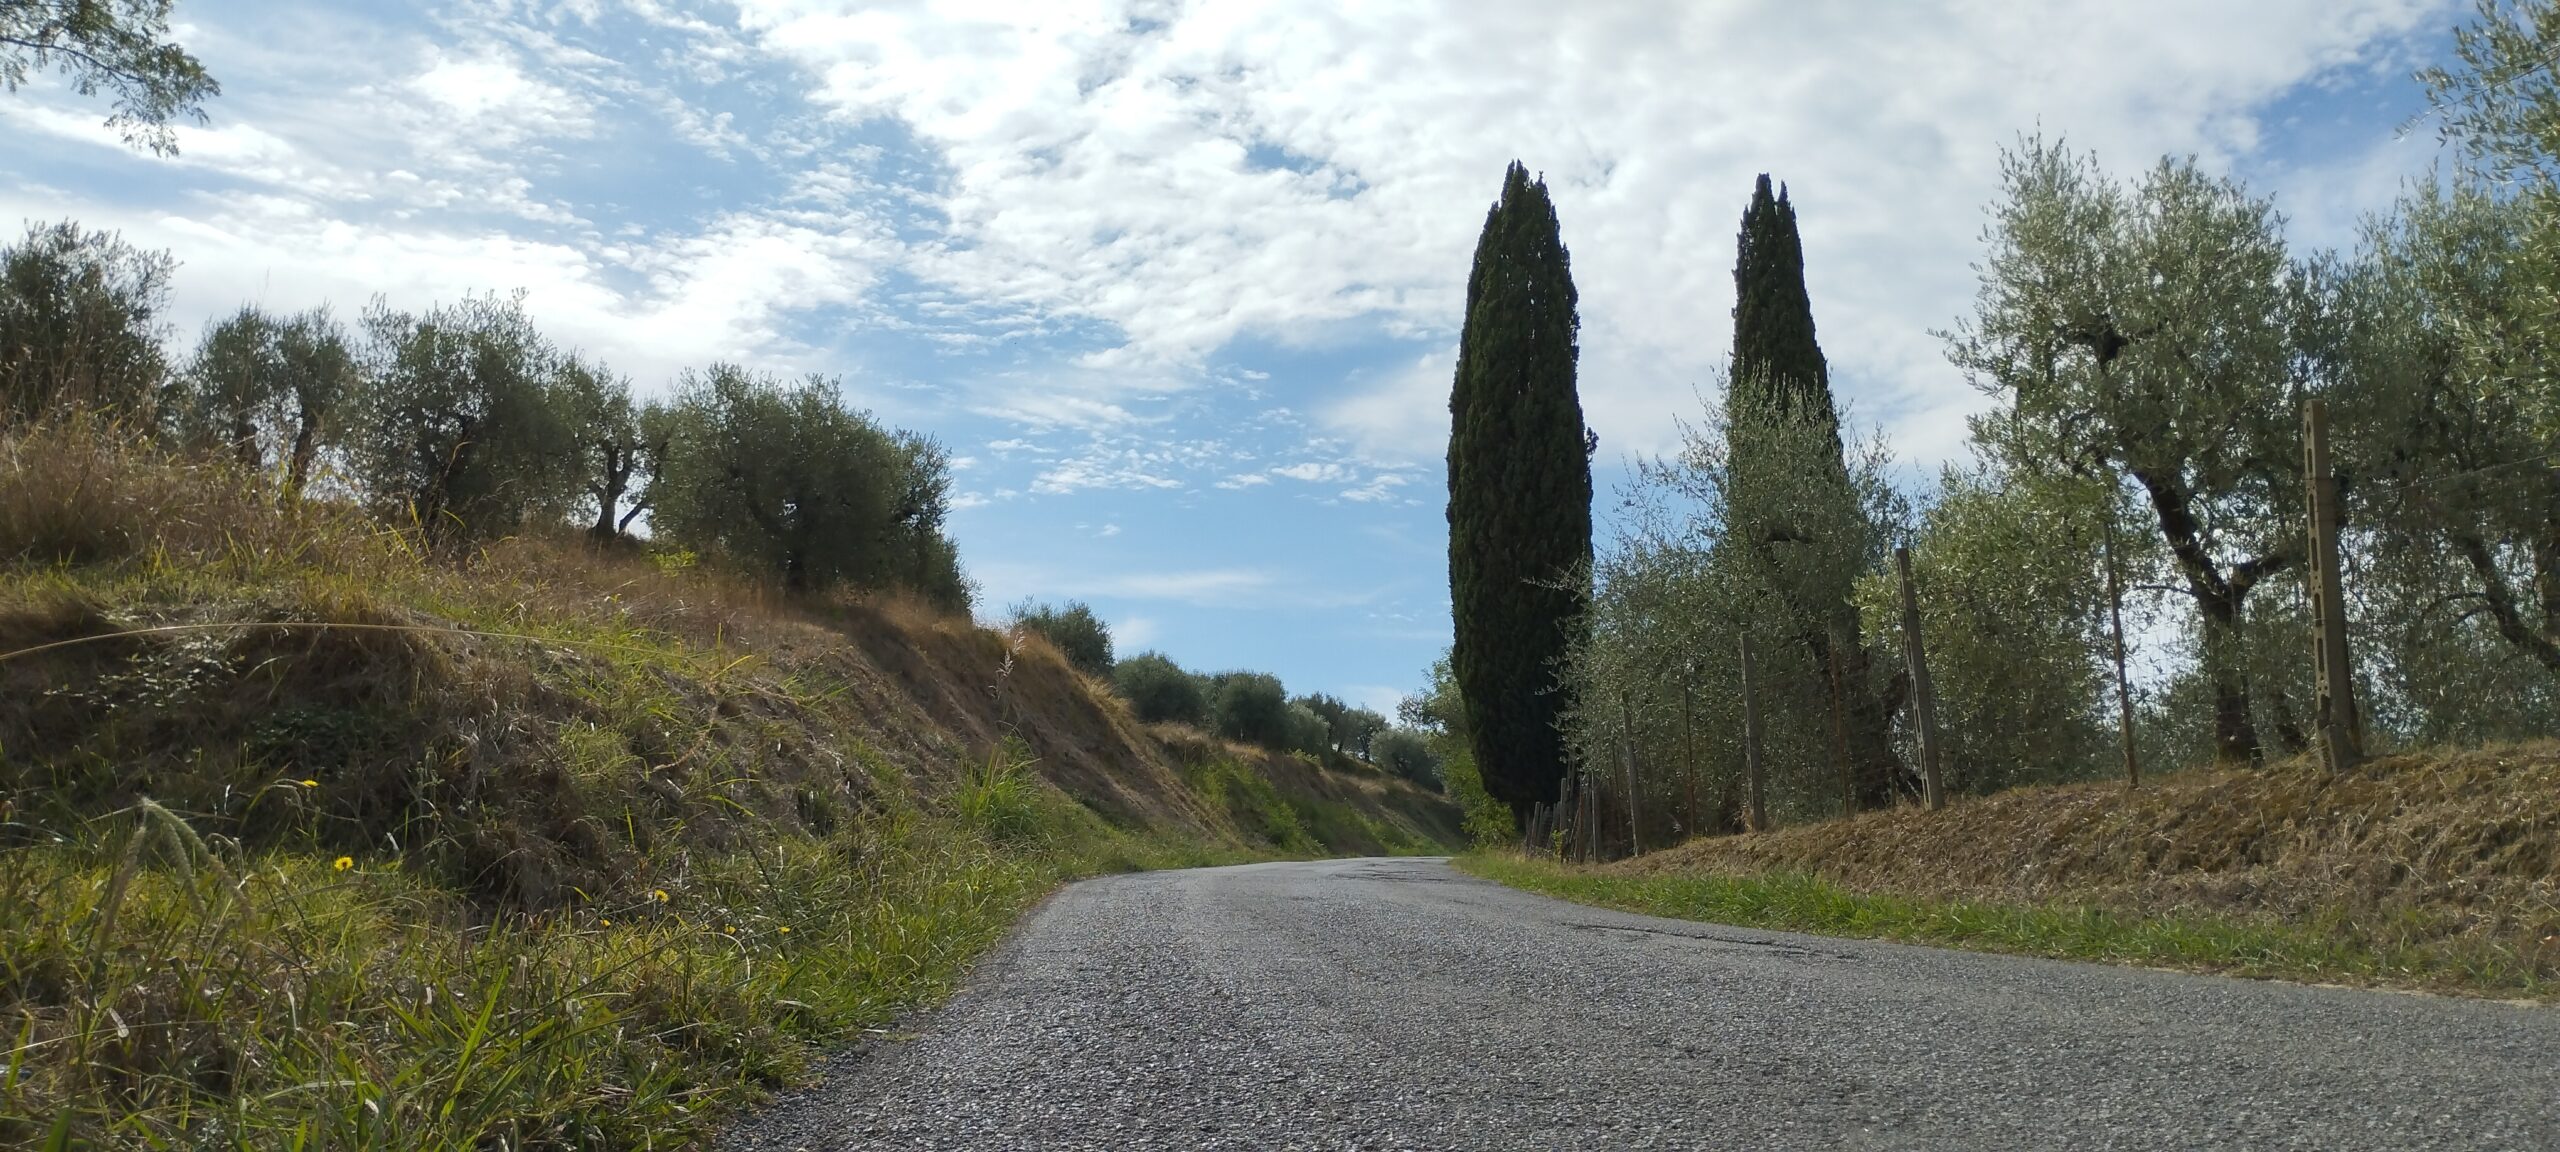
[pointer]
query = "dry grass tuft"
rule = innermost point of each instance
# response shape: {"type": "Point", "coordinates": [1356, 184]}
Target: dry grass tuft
{"type": "Point", "coordinates": [2424, 849]}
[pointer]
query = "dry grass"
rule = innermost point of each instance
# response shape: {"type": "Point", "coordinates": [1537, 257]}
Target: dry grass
{"type": "Point", "coordinates": [2449, 860]}
{"type": "Point", "coordinates": [306, 836]}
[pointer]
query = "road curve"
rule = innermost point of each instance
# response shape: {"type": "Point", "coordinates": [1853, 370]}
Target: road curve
{"type": "Point", "coordinates": [1398, 1004]}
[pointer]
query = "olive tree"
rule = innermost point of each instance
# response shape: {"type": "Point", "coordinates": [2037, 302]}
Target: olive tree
{"type": "Point", "coordinates": [458, 429]}
{"type": "Point", "coordinates": [80, 324]}
{"type": "Point", "coordinates": [268, 390]}
{"type": "Point", "coordinates": [788, 481]}
{"type": "Point", "coordinates": [2154, 331]}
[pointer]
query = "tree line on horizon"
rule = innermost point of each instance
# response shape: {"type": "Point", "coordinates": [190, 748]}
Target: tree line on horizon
{"type": "Point", "coordinates": [1241, 705]}
{"type": "Point", "coordinates": [2149, 344]}
{"type": "Point", "coordinates": [463, 422]}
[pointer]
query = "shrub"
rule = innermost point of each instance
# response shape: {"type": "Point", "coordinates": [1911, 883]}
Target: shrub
{"type": "Point", "coordinates": [458, 426]}
{"type": "Point", "coordinates": [79, 323]}
{"type": "Point", "coordinates": [1406, 753]}
{"type": "Point", "coordinates": [788, 482]}
{"type": "Point", "coordinates": [1251, 707]}
{"type": "Point", "coordinates": [1078, 634]}
{"type": "Point", "coordinates": [1159, 691]}
{"type": "Point", "coordinates": [1308, 731]}
{"type": "Point", "coordinates": [266, 389]}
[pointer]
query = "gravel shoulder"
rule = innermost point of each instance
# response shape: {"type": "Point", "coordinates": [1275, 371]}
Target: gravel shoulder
{"type": "Point", "coordinates": [1397, 1004]}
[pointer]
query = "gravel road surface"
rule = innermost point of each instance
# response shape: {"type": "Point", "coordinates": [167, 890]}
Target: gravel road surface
{"type": "Point", "coordinates": [1398, 1004]}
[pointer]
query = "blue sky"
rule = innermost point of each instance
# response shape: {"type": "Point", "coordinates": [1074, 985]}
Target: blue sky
{"type": "Point", "coordinates": [1179, 283]}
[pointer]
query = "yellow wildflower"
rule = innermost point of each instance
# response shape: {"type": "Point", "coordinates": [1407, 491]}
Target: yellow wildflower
{"type": "Point", "coordinates": [785, 929]}
{"type": "Point", "coordinates": [310, 783]}
{"type": "Point", "coordinates": [659, 895]}
{"type": "Point", "coordinates": [604, 922]}
{"type": "Point", "coordinates": [343, 863]}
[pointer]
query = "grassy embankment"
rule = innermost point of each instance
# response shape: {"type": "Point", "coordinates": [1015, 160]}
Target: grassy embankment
{"type": "Point", "coordinates": [2432, 871]}
{"type": "Point", "coordinates": [537, 849]}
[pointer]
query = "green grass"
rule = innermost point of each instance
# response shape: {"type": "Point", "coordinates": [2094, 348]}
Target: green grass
{"type": "Point", "coordinates": [538, 847]}
{"type": "Point", "coordinates": [2336, 951]}
{"type": "Point", "coordinates": [266, 894]}
{"type": "Point", "coordinates": [171, 991]}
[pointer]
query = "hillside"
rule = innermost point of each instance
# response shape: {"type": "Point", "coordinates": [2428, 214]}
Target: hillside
{"type": "Point", "coordinates": [313, 836]}
{"type": "Point", "coordinates": [2423, 869]}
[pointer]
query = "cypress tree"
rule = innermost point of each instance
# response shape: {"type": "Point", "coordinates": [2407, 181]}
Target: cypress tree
{"type": "Point", "coordinates": [1794, 501]}
{"type": "Point", "coordinates": [1519, 496]}
{"type": "Point", "coordinates": [1774, 352]}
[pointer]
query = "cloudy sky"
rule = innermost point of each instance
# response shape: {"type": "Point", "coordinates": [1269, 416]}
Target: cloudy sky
{"type": "Point", "coordinates": [1179, 283]}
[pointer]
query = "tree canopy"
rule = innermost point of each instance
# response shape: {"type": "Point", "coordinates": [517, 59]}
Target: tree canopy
{"type": "Point", "coordinates": [120, 46]}
{"type": "Point", "coordinates": [1519, 495]}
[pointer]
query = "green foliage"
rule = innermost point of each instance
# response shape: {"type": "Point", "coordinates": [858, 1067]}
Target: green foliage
{"type": "Point", "coordinates": [2016, 624]}
{"type": "Point", "coordinates": [1679, 590]}
{"type": "Point", "coordinates": [80, 323]}
{"type": "Point", "coordinates": [2438, 320]}
{"type": "Point", "coordinates": [1519, 494]}
{"type": "Point", "coordinates": [618, 444]}
{"type": "Point", "coordinates": [1775, 357]}
{"type": "Point", "coordinates": [1078, 634]}
{"type": "Point", "coordinates": [458, 428]}
{"type": "Point", "coordinates": [1794, 902]}
{"type": "Point", "coordinates": [1406, 753]}
{"type": "Point", "coordinates": [1159, 691]}
{"type": "Point", "coordinates": [999, 796]}
{"type": "Point", "coordinates": [2155, 332]}
{"type": "Point", "coordinates": [267, 391]}
{"type": "Point", "coordinates": [1253, 708]}
{"type": "Point", "coordinates": [1794, 522]}
{"type": "Point", "coordinates": [1307, 731]}
{"type": "Point", "coordinates": [122, 46]}
{"type": "Point", "coordinates": [1249, 799]}
{"type": "Point", "coordinates": [790, 483]}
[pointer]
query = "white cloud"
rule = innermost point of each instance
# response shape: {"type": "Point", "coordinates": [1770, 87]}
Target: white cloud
{"type": "Point", "coordinates": [1250, 168]}
{"type": "Point", "coordinates": [1243, 480]}
{"type": "Point", "coordinates": [1212, 586]}
{"type": "Point", "coordinates": [1315, 472]}
{"type": "Point", "coordinates": [1133, 634]}
{"type": "Point", "coordinates": [1380, 487]}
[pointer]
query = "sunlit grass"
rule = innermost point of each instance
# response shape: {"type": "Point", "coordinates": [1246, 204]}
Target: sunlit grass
{"type": "Point", "coordinates": [2335, 950]}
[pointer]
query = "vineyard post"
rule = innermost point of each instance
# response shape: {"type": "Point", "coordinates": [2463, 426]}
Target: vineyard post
{"type": "Point", "coordinates": [1759, 813]}
{"type": "Point", "coordinates": [1924, 702]}
{"type": "Point", "coordinates": [2335, 703]}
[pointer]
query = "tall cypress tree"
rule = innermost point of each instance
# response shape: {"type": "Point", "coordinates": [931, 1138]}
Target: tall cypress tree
{"type": "Point", "coordinates": [1519, 496]}
{"type": "Point", "coordinates": [1794, 508]}
{"type": "Point", "coordinates": [1774, 352]}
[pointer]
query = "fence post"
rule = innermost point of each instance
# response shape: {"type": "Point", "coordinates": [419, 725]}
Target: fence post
{"type": "Point", "coordinates": [1840, 735]}
{"type": "Point", "coordinates": [1759, 809]}
{"type": "Point", "coordinates": [1627, 760]}
{"type": "Point", "coordinates": [2115, 624]}
{"type": "Point", "coordinates": [1924, 702]}
{"type": "Point", "coordinates": [1689, 745]}
{"type": "Point", "coordinates": [2335, 711]}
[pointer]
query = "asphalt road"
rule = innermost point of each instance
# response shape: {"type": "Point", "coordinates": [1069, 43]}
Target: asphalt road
{"type": "Point", "coordinates": [1398, 1004]}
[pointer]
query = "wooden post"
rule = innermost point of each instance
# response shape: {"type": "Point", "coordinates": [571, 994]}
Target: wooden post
{"type": "Point", "coordinates": [2335, 703]}
{"type": "Point", "coordinates": [2115, 625]}
{"type": "Point", "coordinates": [1689, 744]}
{"type": "Point", "coordinates": [1840, 736]}
{"type": "Point", "coordinates": [1582, 821]}
{"type": "Point", "coordinates": [1627, 760]}
{"type": "Point", "coordinates": [1757, 799]}
{"type": "Point", "coordinates": [1924, 702]}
